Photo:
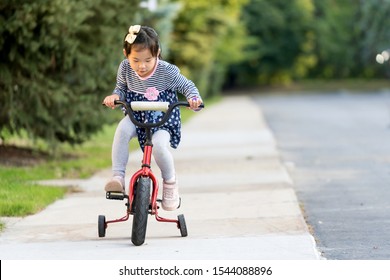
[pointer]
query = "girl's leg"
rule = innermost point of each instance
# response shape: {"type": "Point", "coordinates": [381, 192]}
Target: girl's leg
{"type": "Point", "coordinates": [120, 154]}
{"type": "Point", "coordinates": [163, 156]}
{"type": "Point", "coordinates": [165, 162]}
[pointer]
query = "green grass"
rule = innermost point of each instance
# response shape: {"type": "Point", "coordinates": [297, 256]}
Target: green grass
{"type": "Point", "coordinates": [20, 196]}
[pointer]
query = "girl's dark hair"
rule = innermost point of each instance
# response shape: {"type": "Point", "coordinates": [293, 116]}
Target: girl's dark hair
{"type": "Point", "coordinates": [146, 38]}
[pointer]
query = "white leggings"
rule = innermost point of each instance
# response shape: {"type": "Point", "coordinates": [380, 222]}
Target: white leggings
{"type": "Point", "coordinates": [120, 150]}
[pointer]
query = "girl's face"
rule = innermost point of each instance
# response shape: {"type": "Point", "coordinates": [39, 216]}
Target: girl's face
{"type": "Point", "coordinates": [142, 62]}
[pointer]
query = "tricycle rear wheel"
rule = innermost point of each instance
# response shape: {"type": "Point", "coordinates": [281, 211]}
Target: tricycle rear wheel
{"type": "Point", "coordinates": [182, 225]}
{"type": "Point", "coordinates": [102, 226]}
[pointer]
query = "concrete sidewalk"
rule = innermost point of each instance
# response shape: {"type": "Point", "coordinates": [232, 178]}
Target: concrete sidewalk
{"type": "Point", "coordinates": [237, 198]}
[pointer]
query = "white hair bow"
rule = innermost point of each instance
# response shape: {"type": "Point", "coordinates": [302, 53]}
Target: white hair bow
{"type": "Point", "coordinates": [133, 32]}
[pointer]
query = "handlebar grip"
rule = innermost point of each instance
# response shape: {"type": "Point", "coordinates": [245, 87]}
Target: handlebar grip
{"type": "Point", "coordinates": [147, 105]}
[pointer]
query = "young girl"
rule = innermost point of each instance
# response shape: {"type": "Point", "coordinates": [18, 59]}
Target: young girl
{"type": "Point", "coordinates": [143, 76]}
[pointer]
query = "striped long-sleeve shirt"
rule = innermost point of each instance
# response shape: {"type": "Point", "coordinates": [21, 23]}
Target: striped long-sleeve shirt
{"type": "Point", "coordinates": [162, 85]}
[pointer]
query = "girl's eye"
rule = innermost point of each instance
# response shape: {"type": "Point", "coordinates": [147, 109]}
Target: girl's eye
{"type": "Point", "coordinates": [137, 61]}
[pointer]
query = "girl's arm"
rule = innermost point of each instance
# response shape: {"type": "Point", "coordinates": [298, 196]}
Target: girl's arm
{"type": "Point", "coordinates": [120, 88]}
{"type": "Point", "coordinates": [121, 84]}
{"type": "Point", "coordinates": [184, 86]}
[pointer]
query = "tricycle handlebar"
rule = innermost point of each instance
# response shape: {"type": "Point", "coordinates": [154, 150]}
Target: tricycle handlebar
{"type": "Point", "coordinates": [151, 106]}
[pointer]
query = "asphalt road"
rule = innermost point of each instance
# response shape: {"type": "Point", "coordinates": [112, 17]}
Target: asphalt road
{"type": "Point", "coordinates": [337, 149]}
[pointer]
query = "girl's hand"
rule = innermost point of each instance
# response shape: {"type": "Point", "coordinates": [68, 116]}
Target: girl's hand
{"type": "Point", "coordinates": [195, 102]}
{"type": "Point", "coordinates": [109, 100]}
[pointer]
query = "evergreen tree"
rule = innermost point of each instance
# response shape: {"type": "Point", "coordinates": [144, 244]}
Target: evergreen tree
{"type": "Point", "coordinates": [58, 59]}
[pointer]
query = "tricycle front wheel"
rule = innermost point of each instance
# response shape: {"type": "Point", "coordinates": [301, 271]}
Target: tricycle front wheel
{"type": "Point", "coordinates": [141, 211]}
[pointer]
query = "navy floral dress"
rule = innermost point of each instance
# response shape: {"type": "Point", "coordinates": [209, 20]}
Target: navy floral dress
{"type": "Point", "coordinates": [173, 125]}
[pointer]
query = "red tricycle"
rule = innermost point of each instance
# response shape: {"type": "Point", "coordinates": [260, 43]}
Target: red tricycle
{"type": "Point", "coordinates": [143, 187]}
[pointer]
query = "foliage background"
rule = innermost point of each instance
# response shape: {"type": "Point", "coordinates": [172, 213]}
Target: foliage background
{"type": "Point", "coordinates": [58, 58]}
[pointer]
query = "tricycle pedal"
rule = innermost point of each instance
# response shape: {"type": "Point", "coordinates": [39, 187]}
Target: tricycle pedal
{"type": "Point", "coordinates": [116, 195]}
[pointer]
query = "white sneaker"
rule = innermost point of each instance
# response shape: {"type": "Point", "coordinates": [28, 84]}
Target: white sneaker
{"type": "Point", "coordinates": [170, 200]}
{"type": "Point", "coordinates": [116, 184]}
